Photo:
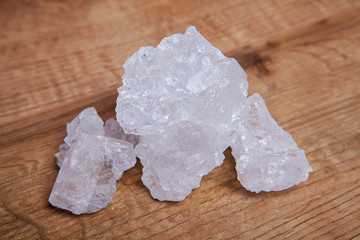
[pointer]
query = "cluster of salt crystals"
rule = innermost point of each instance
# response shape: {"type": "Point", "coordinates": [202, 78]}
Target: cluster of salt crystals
{"type": "Point", "coordinates": [91, 160]}
{"type": "Point", "coordinates": [188, 102]}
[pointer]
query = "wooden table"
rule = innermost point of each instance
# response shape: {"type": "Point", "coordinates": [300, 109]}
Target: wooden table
{"type": "Point", "coordinates": [303, 57]}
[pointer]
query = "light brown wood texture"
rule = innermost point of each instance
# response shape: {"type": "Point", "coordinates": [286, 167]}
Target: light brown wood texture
{"type": "Point", "coordinates": [303, 57]}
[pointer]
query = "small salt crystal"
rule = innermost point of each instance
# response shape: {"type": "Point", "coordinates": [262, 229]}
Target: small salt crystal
{"type": "Point", "coordinates": [267, 157]}
{"type": "Point", "coordinates": [86, 181]}
{"type": "Point", "coordinates": [91, 163]}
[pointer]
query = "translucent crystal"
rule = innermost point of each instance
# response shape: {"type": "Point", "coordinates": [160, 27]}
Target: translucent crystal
{"type": "Point", "coordinates": [267, 157]}
{"type": "Point", "coordinates": [184, 83]}
{"type": "Point", "coordinates": [91, 163]}
{"type": "Point", "coordinates": [185, 78]}
{"type": "Point", "coordinates": [86, 181]}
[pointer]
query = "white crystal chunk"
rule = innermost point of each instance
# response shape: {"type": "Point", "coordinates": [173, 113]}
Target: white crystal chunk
{"type": "Point", "coordinates": [86, 181]}
{"type": "Point", "coordinates": [185, 78]}
{"type": "Point", "coordinates": [267, 157]}
{"type": "Point", "coordinates": [91, 163]}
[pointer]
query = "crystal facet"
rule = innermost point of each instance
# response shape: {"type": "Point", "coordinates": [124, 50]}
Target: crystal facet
{"type": "Point", "coordinates": [184, 85]}
{"type": "Point", "coordinates": [88, 121]}
{"type": "Point", "coordinates": [113, 129]}
{"type": "Point", "coordinates": [267, 157]}
{"type": "Point", "coordinates": [60, 156]}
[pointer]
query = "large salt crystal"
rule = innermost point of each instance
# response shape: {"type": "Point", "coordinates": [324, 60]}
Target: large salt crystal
{"type": "Point", "coordinates": [267, 157]}
{"type": "Point", "coordinates": [86, 181]}
{"type": "Point", "coordinates": [91, 163]}
{"type": "Point", "coordinates": [184, 83]}
{"type": "Point", "coordinates": [185, 78]}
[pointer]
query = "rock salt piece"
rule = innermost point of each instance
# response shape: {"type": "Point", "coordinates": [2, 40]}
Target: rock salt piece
{"type": "Point", "coordinates": [86, 181]}
{"type": "Point", "coordinates": [113, 129]}
{"type": "Point", "coordinates": [185, 80]}
{"type": "Point", "coordinates": [90, 163]}
{"type": "Point", "coordinates": [267, 157]}
{"type": "Point", "coordinates": [175, 163]}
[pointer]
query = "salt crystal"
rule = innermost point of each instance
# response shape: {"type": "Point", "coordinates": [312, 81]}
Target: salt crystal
{"type": "Point", "coordinates": [86, 181]}
{"type": "Point", "coordinates": [91, 163]}
{"type": "Point", "coordinates": [267, 157]}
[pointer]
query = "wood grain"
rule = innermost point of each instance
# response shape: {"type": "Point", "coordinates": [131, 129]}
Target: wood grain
{"type": "Point", "coordinates": [303, 57]}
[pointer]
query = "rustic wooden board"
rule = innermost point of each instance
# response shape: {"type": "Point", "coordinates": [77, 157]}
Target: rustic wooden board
{"type": "Point", "coordinates": [303, 57]}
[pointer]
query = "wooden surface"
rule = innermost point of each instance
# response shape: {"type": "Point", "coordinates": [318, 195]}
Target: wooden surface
{"type": "Point", "coordinates": [303, 57]}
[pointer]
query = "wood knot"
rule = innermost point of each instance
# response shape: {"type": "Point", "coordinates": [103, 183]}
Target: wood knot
{"type": "Point", "coordinates": [254, 60]}
{"type": "Point", "coordinates": [322, 22]}
{"type": "Point", "coordinates": [272, 44]}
